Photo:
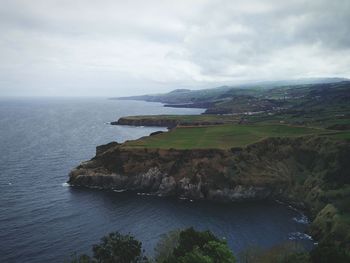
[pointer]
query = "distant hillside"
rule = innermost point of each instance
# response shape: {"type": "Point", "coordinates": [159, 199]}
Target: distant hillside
{"type": "Point", "coordinates": [206, 97]}
{"type": "Point", "coordinates": [324, 105]}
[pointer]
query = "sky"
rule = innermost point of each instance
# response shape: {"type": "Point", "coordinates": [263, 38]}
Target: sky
{"type": "Point", "coordinates": [118, 48]}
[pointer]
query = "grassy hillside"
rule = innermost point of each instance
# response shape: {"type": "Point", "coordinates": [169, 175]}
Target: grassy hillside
{"type": "Point", "coordinates": [221, 136]}
{"type": "Point", "coordinates": [180, 96]}
{"type": "Point", "coordinates": [325, 105]}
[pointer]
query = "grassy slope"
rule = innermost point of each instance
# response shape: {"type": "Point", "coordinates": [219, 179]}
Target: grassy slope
{"type": "Point", "coordinates": [345, 135]}
{"type": "Point", "coordinates": [319, 105]}
{"type": "Point", "coordinates": [222, 136]}
{"type": "Point", "coordinates": [323, 119]}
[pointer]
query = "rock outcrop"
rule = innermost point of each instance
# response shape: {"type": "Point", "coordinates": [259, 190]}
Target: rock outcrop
{"type": "Point", "coordinates": [272, 168]}
{"type": "Point", "coordinates": [151, 122]}
{"type": "Point", "coordinates": [308, 172]}
{"type": "Point", "coordinates": [165, 121]}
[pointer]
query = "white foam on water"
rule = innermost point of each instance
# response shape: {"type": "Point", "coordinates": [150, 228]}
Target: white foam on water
{"type": "Point", "coordinates": [302, 219]}
{"type": "Point", "coordinates": [145, 194]}
{"type": "Point", "coordinates": [65, 184]}
{"type": "Point", "coordinates": [299, 236]}
{"type": "Point", "coordinates": [119, 191]}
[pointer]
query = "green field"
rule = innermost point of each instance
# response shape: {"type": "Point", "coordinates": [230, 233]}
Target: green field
{"type": "Point", "coordinates": [343, 135]}
{"type": "Point", "coordinates": [221, 136]}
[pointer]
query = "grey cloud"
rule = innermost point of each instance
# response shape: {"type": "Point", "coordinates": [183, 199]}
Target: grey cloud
{"type": "Point", "coordinates": [153, 46]}
{"type": "Point", "coordinates": [295, 24]}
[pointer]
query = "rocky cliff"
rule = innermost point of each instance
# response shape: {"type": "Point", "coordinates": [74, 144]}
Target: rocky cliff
{"type": "Point", "coordinates": [151, 122]}
{"type": "Point", "coordinates": [173, 121]}
{"type": "Point", "coordinates": [310, 172]}
{"type": "Point", "coordinates": [272, 168]}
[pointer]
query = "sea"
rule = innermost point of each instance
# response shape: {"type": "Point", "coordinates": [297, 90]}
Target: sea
{"type": "Point", "coordinates": [42, 219]}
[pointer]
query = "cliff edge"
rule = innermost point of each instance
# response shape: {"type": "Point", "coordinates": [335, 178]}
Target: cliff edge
{"type": "Point", "coordinates": [311, 172]}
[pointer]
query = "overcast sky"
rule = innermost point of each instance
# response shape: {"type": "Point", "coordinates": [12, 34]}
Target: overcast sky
{"type": "Point", "coordinates": [114, 48]}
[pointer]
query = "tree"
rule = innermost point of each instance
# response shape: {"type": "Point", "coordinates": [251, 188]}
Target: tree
{"type": "Point", "coordinates": [219, 252]}
{"type": "Point", "coordinates": [114, 248]}
{"type": "Point", "coordinates": [190, 238]}
{"type": "Point", "coordinates": [166, 245]}
{"type": "Point", "coordinates": [195, 256]}
{"type": "Point", "coordinates": [199, 247]}
{"type": "Point", "coordinates": [118, 248]}
{"type": "Point", "coordinates": [187, 246]}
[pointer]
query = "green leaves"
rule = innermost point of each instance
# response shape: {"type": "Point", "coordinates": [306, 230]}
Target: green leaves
{"type": "Point", "coordinates": [198, 247]}
{"type": "Point", "coordinates": [187, 246]}
{"type": "Point", "coordinates": [117, 248]}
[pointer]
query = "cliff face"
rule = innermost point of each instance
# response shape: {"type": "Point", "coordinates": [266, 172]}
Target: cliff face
{"type": "Point", "coordinates": [290, 168]}
{"type": "Point", "coordinates": [310, 172]}
{"type": "Point", "coordinates": [151, 122]}
{"type": "Point", "coordinates": [171, 122]}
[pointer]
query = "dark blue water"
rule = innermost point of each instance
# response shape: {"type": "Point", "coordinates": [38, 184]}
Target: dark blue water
{"type": "Point", "coordinates": [43, 220]}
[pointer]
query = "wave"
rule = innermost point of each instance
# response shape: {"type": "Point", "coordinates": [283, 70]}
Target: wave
{"type": "Point", "coordinates": [119, 190]}
{"type": "Point", "coordinates": [299, 236]}
{"type": "Point", "coordinates": [302, 219]}
{"type": "Point", "coordinates": [148, 194]}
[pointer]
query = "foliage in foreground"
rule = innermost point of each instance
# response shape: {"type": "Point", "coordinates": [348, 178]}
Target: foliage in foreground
{"type": "Point", "coordinates": [191, 246]}
{"type": "Point", "coordinates": [187, 246]}
{"type": "Point", "coordinates": [199, 247]}
{"type": "Point", "coordinates": [114, 247]}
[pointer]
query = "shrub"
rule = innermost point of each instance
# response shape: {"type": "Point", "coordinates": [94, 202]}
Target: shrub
{"type": "Point", "coordinates": [114, 247]}
{"type": "Point", "coordinates": [194, 246]}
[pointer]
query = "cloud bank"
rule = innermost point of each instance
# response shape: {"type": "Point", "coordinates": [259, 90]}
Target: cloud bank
{"type": "Point", "coordinates": [112, 48]}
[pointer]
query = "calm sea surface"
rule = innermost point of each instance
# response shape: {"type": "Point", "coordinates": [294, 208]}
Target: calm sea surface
{"type": "Point", "coordinates": [42, 220]}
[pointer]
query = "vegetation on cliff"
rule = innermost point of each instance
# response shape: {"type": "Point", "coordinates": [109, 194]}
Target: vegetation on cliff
{"type": "Point", "coordinates": [220, 136]}
{"type": "Point", "coordinates": [323, 105]}
{"type": "Point", "coordinates": [311, 172]}
{"type": "Point", "coordinates": [172, 121]}
{"type": "Point", "coordinates": [191, 246]}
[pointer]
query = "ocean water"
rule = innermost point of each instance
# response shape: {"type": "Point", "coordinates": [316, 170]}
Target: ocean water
{"type": "Point", "coordinates": [42, 219]}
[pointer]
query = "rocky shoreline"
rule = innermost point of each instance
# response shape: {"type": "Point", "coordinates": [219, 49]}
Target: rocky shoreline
{"type": "Point", "coordinates": [170, 123]}
{"type": "Point", "coordinates": [265, 170]}
{"type": "Point", "coordinates": [292, 170]}
{"type": "Point", "coordinates": [146, 122]}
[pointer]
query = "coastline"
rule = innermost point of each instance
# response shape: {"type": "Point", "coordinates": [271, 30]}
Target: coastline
{"type": "Point", "coordinates": [278, 169]}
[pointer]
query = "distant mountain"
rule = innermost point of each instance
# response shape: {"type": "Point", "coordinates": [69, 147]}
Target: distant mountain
{"type": "Point", "coordinates": [205, 97]}
{"type": "Point", "coordinates": [179, 91]}
{"type": "Point", "coordinates": [292, 82]}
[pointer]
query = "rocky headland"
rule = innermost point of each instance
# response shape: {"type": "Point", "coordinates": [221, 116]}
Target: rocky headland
{"type": "Point", "coordinates": [272, 168]}
{"type": "Point", "coordinates": [151, 122]}
{"type": "Point", "coordinates": [309, 172]}
{"type": "Point", "coordinates": [171, 121]}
